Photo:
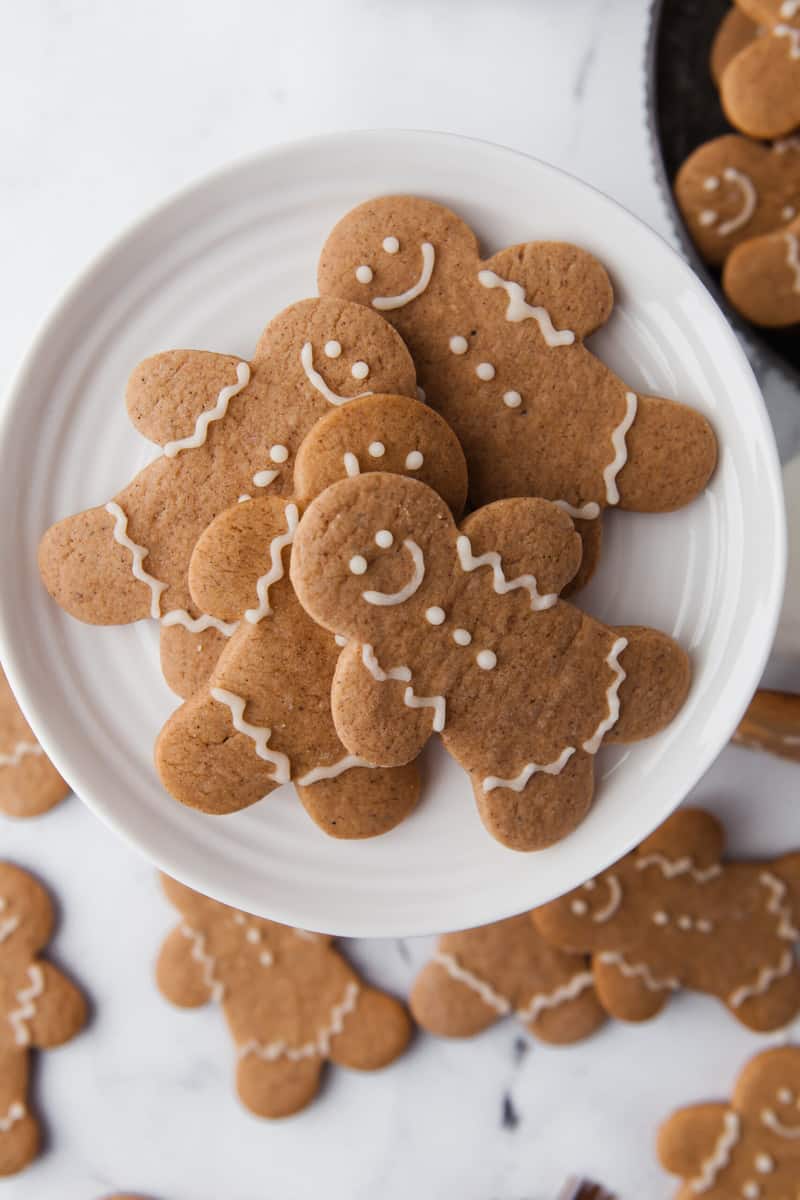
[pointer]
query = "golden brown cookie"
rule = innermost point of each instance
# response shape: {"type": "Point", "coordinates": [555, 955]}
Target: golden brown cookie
{"type": "Point", "coordinates": [41, 1008]}
{"type": "Point", "coordinates": [762, 278]}
{"type": "Point", "coordinates": [732, 188]}
{"type": "Point", "coordinates": [748, 1148]}
{"type": "Point", "coordinates": [480, 975]}
{"type": "Point", "coordinates": [290, 1000]}
{"type": "Point", "coordinates": [460, 631]}
{"type": "Point", "coordinates": [760, 86]}
{"type": "Point", "coordinates": [736, 31]}
{"type": "Point", "coordinates": [498, 346]}
{"type": "Point", "coordinates": [227, 428]}
{"type": "Point", "coordinates": [264, 716]}
{"type": "Point", "coordinates": [29, 783]}
{"type": "Point", "coordinates": [671, 915]}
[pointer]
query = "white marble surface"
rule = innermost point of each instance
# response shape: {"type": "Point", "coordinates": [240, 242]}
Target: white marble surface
{"type": "Point", "coordinates": [104, 110]}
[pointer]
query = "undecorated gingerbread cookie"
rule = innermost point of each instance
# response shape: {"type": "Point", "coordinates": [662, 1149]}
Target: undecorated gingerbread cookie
{"type": "Point", "coordinates": [672, 915]}
{"type": "Point", "coordinates": [460, 631]}
{"type": "Point", "coordinates": [762, 278]}
{"type": "Point", "coordinates": [264, 717]}
{"type": "Point", "coordinates": [29, 783]}
{"type": "Point", "coordinates": [228, 428]}
{"type": "Point", "coordinates": [760, 86]}
{"type": "Point", "coordinates": [480, 975]}
{"type": "Point", "coordinates": [749, 1148]}
{"type": "Point", "coordinates": [291, 1001]}
{"type": "Point", "coordinates": [39, 1008]}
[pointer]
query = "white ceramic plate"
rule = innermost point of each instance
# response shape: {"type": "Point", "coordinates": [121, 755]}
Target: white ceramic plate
{"type": "Point", "coordinates": [208, 270]}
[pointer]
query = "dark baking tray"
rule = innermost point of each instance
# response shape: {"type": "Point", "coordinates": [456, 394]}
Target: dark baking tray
{"type": "Point", "coordinates": [683, 111]}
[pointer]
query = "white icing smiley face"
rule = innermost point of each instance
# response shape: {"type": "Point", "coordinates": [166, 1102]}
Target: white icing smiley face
{"type": "Point", "coordinates": [391, 245]}
{"type": "Point", "coordinates": [782, 1116]}
{"type": "Point", "coordinates": [599, 900]}
{"type": "Point", "coordinates": [384, 539]}
{"type": "Point", "coordinates": [741, 191]}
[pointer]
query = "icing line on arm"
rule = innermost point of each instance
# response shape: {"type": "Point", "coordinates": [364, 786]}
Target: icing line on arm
{"type": "Point", "coordinates": [26, 998]}
{"type": "Point", "coordinates": [171, 449]}
{"type": "Point", "coordinates": [620, 448]}
{"type": "Point", "coordinates": [207, 961]}
{"type": "Point", "coordinates": [592, 745]}
{"type": "Point", "coordinates": [275, 572]}
{"type": "Point", "coordinates": [519, 310]}
{"type": "Point", "coordinates": [720, 1157]}
{"type": "Point", "coordinates": [469, 562]}
{"type": "Point", "coordinates": [138, 555]}
{"type": "Point", "coordinates": [21, 750]}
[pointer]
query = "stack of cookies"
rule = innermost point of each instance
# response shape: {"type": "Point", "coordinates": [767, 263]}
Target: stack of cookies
{"type": "Point", "coordinates": [740, 194]}
{"type": "Point", "coordinates": [325, 606]}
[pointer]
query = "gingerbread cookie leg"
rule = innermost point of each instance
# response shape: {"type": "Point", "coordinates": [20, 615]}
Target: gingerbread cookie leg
{"type": "Point", "coordinates": [376, 711]}
{"type": "Point", "coordinates": [187, 659]}
{"type": "Point", "coordinates": [29, 783]}
{"type": "Point", "coordinates": [361, 802]}
{"type": "Point", "coordinates": [19, 1130]}
{"type": "Point", "coordinates": [533, 813]}
{"type": "Point", "coordinates": [276, 1089]}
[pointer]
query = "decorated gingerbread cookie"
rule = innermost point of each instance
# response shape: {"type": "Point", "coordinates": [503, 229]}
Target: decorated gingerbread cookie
{"type": "Point", "coordinates": [228, 428]}
{"type": "Point", "coordinates": [760, 86]}
{"type": "Point", "coordinates": [762, 278]}
{"type": "Point", "coordinates": [41, 1008]}
{"type": "Point", "coordinates": [29, 783]}
{"type": "Point", "coordinates": [732, 189]}
{"type": "Point", "coordinates": [264, 717]}
{"type": "Point", "coordinates": [749, 1148]}
{"type": "Point", "coordinates": [499, 350]}
{"type": "Point", "coordinates": [290, 1000]}
{"type": "Point", "coordinates": [736, 31]}
{"type": "Point", "coordinates": [481, 975]}
{"type": "Point", "coordinates": [461, 632]}
{"type": "Point", "coordinates": [672, 915]}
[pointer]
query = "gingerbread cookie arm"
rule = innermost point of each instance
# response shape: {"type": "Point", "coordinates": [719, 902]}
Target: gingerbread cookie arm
{"type": "Point", "coordinates": [50, 1009]}
{"type": "Point", "coordinates": [760, 87]}
{"type": "Point", "coordinates": [761, 278]}
{"type": "Point", "coordinates": [19, 1130]}
{"type": "Point", "coordinates": [522, 538]}
{"type": "Point", "coordinates": [671, 453]}
{"type": "Point", "coordinates": [184, 970]}
{"type": "Point", "coordinates": [567, 285]}
{"type": "Point", "coordinates": [688, 1138]}
{"type": "Point", "coordinates": [372, 718]}
{"type": "Point", "coordinates": [173, 398]}
{"type": "Point", "coordinates": [374, 1035]}
{"type": "Point", "coordinates": [629, 989]}
{"type": "Point", "coordinates": [445, 1005]}
{"type": "Point", "coordinates": [278, 1088]}
{"type": "Point", "coordinates": [655, 683]}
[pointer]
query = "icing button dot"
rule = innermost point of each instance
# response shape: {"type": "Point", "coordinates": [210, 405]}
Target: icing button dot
{"type": "Point", "coordinates": [512, 399]}
{"type": "Point", "coordinates": [764, 1163]}
{"type": "Point", "coordinates": [462, 637]}
{"type": "Point", "coordinates": [358, 564]}
{"type": "Point", "coordinates": [239, 918]}
{"type": "Point", "coordinates": [384, 538]}
{"type": "Point", "coordinates": [684, 922]}
{"type": "Point", "coordinates": [359, 370]}
{"type": "Point", "coordinates": [414, 460]}
{"type": "Point", "coordinates": [785, 1095]}
{"type": "Point", "coordinates": [278, 453]}
{"type": "Point", "coordinates": [789, 212]}
{"type": "Point", "coordinates": [485, 371]}
{"type": "Point", "coordinates": [333, 349]}
{"type": "Point", "coordinates": [459, 344]}
{"type": "Point", "coordinates": [660, 918]}
{"type": "Point", "coordinates": [265, 958]}
{"type": "Point", "coordinates": [711, 184]}
{"type": "Point", "coordinates": [434, 615]}
{"type": "Point", "coordinates": [364, 273]}
{"type": "Point", "coordinates": [486, 660]}
{"type": "Point", "coordinates": [751, 1190]}
{"type": "Point", "coordinates": [590, 885]}
{"type": "Point", "coordinates": [376, 449]}
{"type": "Point", "coordinates": [391, 245]}
{"type": "Point", "coordinates": [253, 935]}
{"type": "Point", "coordinates": [707, 216]}
{"type": "Point", "coordinates": [579, 907]}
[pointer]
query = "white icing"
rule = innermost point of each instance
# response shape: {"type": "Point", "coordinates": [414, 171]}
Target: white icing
{"type": "Point", "coordinates": [7, 927]}
{"type": "Point", "coordinates": [586, 512]}
{"type": "Point", "coordinates": [216, 987]}
{"type": "Point", "coordinates": [458, 344]}
{"type": "Point", "coordinates": [414, 460]}
{"type": "Point", "coordinates": [403, 674]}
{"type": "Point", "coordinates": [512, 399]}
{"type": "Point", "coordinates": [538, 1003]}
{"type": "Point", "coordinates": [320, 1047]}
{"type": "Point", "coordinates": [778, 907]}
{"type": "Point", "coordinates": [601, 915]}
{"type": "Point", "coordinates": [660, 918]}
{"type": "Point", "coordinates": [480, 987]}
{"type": "Point", "coordinates": [278, 453]}
{"type": "Point", "coordinates": [764, 980]}
{"type": "Point", "coordinates": [721, 1155]}
{"type": "Point", "coordinates": [751, 1190]}
{"type": "Point", "coordinates": [485, 371]}
{"type": "Point", "coordinates": [15, 1112]}
{"type": "Point", "coordinates": [386, 303]}
{"type": "Point", "coordinates": [332, 348]}
{"type": "Point", "coordinates": [788, 212]}
{"type": "Point", "coordinates": [462, 637]}
{"type": "Point", "coordinates": [639, 971]}
{"type": "Point", "coordinates": [486, 660]}
{"type": "Point", "coordinates": [384, 538]}
{"type": "Point", "coordinates": [789, 9]}
{"type": "Point", "coordinates": [620, 448]}
{"type": "Point", "coordinates": [376, 449]}
{"type": "Point", "coordinates": [708, 217]}
{"type": "Point", "coordinates": [315, 379]}
{"type": "Point", "coordinates": [592, 745]}
{"type": "Point", "coordinates": [364, 273]}
{"type": "Point", "coordinates": [469, 562]}
{"type": "Point", "coordinates": [421, 395]}
{"type": "Point", "coordinates": [259, 734]}
{"type": "Point", "coordinates": [793, 35]}
{"type": "Point", "coordinates": [560, 995]}
{"type": "Point", "coordinates": [783, 144]}
{"type": "Point", "coordinates": [410, 698]}
{"type": "Point", "coordinates": [26, 999]}
{"type": "Point", "coordinates": [334, 770]}
{"type": "Point", "coordinates": [764, 1163]}
{"type": "Point", "coordinates": [359, 369]}
{"type": "Point", "coordinates": [749, 201]}
{"type": "Point", "coordinates": [793, 258]}
{"type": "Point", "coordinates": [711, 184]}
{"type": "Point", "coordinates": [785, 1095]}
{"type": "Point", "coordinates": [391, 245]}
{"type": "Point", "coordinates": [434, 615]}
{"type": "Point", "coordinates": [358, 564]}
{"type": "Point", "coordinates": [579, 907]}
{"type": "Point", "coordinates": [21, 750]}
{"type": "Point", "coordinates": [519, 310]}
{"type": "Point", "coordinates": [408, 589]}
{"type": "Point", "coordinates": [264, 478]}
{"type": "Point", "coordinates": [437, 703]}
{"type": "Point", "coordinates": [672, 867]}
{"type": "Point", "coordinates": [216, 413]}
{"type": "Point", "coordinates": [275, 572]}
{"type": "Point", "coordinates": [138, 555]}
{"type": "Point", "coordinates": [340, 639]}
{"type": "Point", "coordinates": [179, 616]}
{"type": "Point", "coordinates": [519, 781]}
{"type": "Point", "coordinates": [351, 465]}
{"type": "Point", "coordinates": [770, 1118]}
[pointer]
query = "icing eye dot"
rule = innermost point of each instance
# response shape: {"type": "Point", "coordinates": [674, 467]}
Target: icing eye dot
{"type": "Point", "coordinates": [764, 1163]}
{"type": "Point", "coordinates": [486, 660]}
{"type": "Point", "coordinates": [340, 639]}
{"type": "Point", "coordinates": [459, 344]}
{"type": "Point", "coordinates": [414, 460]}
{"type": "Point", "coordinates": [376, 449]}
{"type": "Point", "coordinates": [364, 273]}
{"type": "Point", "coordinates": [278, 453]}
{"type": "Point", "coordinates": [435, 615]}
{"type": "Point", "coordinates": [660, 918]}
{"type": "Point", "coordinates": [711, 184]}
{"type": "Point", "coordinates": [707, 216]}
{"type": "Point", "coordinates": [785, 1095]}
{"type": "Point", "coordinates": [789, 212]}
{"type": "Point", "coordinates": [462, 637]}
{"type": "Point", "coordinates": [358, 564]}
{"type": "Point", "coordinates": [512, 399]}
{"type": "Point", "coordinates": [253, 935]}
{"type": "Point", "coordinates": [384, 538]}
{"type": "Point", "coordinates": [579, 907]}
{"type": "Point", "coordinates": [485, 371]}
{"type": "Point", "coordinates": [359, 370]}
{"type": "Point", "coordinates": [333, 349]}
{"type": "Point", "coordinates": [391, 245]}
{"type": "Point", "coordinates": [265, 958]}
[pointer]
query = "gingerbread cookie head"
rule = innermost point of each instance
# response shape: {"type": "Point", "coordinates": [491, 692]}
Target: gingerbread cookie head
{"type": "Point", "coordinates": [29, 783]}
{"type": "Point", "coordinates": [760, 86]}
{"type": "Point", "coordinates": [762, 278]}
{"type": "Point", "coordinates": [748, 1148]}
{"type": "Point", "coordinates": [291, 1001]}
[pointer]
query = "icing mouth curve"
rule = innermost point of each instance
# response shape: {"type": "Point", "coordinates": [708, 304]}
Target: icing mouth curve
{"type": "Point", "coordinates": [386, 303]}
{"type": "Point", "coordinates": [770, 1119]}
{"type": "Point", "coordinates": [409, 588]}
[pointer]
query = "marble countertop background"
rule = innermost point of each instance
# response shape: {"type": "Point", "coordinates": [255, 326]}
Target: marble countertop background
{"type": "Point", "coordinates": [104, 110]}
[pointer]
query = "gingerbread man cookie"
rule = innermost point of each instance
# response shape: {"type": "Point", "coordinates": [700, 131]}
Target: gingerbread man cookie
{"type": "Point", "coordinates": [671, 915]}
{"type": "Point", "coordinates": [460, 631]}
{"type": "Point", "coordinates": [749, 1148]}
{"type": "Point", "coordinates": [29, 783]}
{"type": "Point", "coordinates": [760, 86]}
{"type": "Point", "coordinates": [39, 1008]}
{"type": "Point", "coordinates": [477, 976]}
{"type": "Point", "coordinates": [264, 716]}
{"type": "Point", "coordinates": [228, 428]}
{"type": "Point", "coordinates": [762, 278]}
{"type": "Point", "coordinates": [732, 189]}
{"type": "Point", "coordinates": [499, 350]}
{"type": "Point", "coordinates": [290, 1000]}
